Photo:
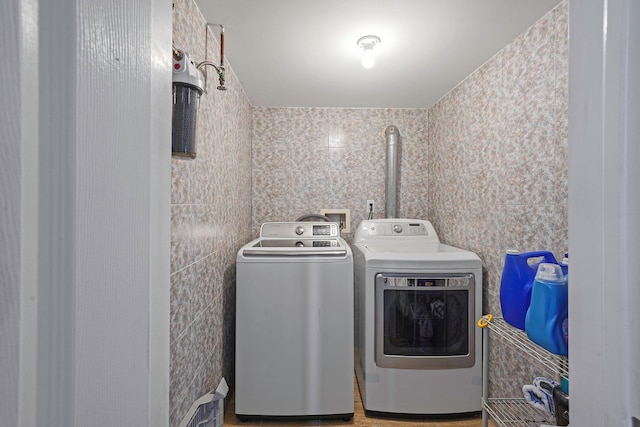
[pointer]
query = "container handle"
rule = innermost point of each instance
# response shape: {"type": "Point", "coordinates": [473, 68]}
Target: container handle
{"type": "Point", "coordinates": [540, 253]}
{"type": "Point", "coordinates": [546, 255]}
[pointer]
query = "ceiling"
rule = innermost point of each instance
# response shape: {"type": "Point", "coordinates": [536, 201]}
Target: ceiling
{"type": "Point", "coordinates": [303, 53]}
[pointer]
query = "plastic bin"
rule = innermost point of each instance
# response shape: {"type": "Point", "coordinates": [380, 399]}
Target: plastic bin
{"type": "Point", "coordinates": [208, 410]}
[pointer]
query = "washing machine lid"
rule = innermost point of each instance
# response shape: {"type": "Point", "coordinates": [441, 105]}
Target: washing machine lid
{"type": "Point", "coordinates": [302, 247]}
{"type": "Point", "coordinates": [297, 239]}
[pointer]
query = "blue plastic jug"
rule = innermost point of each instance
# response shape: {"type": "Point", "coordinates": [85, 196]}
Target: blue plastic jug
{"type": "Point", "coordinates": [516, 282]}
{"type": "Point", "coordinates": [549, 309]}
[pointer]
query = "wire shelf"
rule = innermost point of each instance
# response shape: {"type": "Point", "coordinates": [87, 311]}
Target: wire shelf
{"type": "Point", "coordinates": [508, 412]}
{"type": "Point", "coordinates": [516, 412]}
{"type": "Point", "coordinates": [548, 361]}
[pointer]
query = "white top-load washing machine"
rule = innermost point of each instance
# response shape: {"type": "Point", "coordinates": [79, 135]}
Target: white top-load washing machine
{"type": "Point", "coordinates": [294, 323]}
{"type": "Point", "coordinates": [417, 300]}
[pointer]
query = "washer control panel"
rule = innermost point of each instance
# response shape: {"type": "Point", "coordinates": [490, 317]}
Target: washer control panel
{"type": "Point", "coordinates": [302, 229]}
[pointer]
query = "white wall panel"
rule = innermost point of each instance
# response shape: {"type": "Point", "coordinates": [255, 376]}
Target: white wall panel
{"type": "Point", "coordinates": [122, 208]}
{"type": "Point", "coordinates": [9, 214]}
{"type": "Point", "coordinates": [603, 213]}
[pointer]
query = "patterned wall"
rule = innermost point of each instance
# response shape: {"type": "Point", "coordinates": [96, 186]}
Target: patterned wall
{"type": "Point", "coordinates": [306, 159]}
{"type": "Point", "coordinates": [498, 170]}
{"type": "Point", "coordinates": [211, 219]}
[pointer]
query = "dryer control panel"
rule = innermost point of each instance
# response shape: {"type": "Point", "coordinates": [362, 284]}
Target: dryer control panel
{"type": "Point", "coordinates": [376, 229]}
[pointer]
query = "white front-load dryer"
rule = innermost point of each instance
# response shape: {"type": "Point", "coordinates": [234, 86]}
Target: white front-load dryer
{"type": "Point", "coordinates": [416, 304]}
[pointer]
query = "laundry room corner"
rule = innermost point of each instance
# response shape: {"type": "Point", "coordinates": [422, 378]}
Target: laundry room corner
{"type": "Point", "coordinates": [210, 220]}
{"type": "Point", "coordinates": [498, 156]}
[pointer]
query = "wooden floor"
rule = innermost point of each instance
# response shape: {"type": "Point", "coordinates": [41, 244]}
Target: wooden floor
{"type": "Point", "coordinates": [359, 419]}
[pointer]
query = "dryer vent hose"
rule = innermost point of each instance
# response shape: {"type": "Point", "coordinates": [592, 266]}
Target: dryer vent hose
{"type": "Point", "coordinates": [392, 135]}
{"type": "Point", "coordinates": [308, 217]}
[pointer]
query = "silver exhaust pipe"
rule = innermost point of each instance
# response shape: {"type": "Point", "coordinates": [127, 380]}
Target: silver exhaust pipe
{"type": "Point", "coordinates": [391, 134]}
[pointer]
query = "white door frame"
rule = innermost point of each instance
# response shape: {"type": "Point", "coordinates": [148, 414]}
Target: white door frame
{"type": "Point", "coordinates": [85, 213]}
{"type": "Point", "coordinates": [604, 214]}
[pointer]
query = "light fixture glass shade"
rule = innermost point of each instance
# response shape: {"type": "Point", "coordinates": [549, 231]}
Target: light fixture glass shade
{"type": "Point", "coordinates": [368, 58]}
{"type": "Point", "coordinates": [367, 43]}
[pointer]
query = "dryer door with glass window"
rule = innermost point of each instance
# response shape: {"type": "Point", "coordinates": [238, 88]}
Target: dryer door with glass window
{"type": "Point", "coordinates": [425, 321]}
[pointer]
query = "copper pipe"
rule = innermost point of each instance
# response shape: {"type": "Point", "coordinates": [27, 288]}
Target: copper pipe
{"type": "Point", "coordinates": [220, 69]}
{"type": "Point", "coordinates": [221, 46]}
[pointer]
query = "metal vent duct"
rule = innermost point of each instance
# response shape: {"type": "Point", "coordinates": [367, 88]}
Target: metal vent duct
{"type": "Point", "coordinates": [392, 135]}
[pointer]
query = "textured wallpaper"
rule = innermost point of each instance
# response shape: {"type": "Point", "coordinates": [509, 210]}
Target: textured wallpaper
{"type": "Point", "coordinates": [306, 159]}
{"type": "Point", "coordinates": [498, 170]}
{"type": "Point", "coordinates": [210, 220]}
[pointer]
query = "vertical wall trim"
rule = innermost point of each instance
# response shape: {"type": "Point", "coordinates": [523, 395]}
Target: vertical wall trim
{"type": "Point", "coordinates": [160, 221]}
{"type": "Point", "coordinates": [603, 211]}
{"type": "Point", "coordinates": [630, 228]}
{"type": "Point", "coordinates": [56, 251]}
{"type": "Point", "coordinates": [29, 195]}
{"type": "Point", "coordinates": [10, 238]}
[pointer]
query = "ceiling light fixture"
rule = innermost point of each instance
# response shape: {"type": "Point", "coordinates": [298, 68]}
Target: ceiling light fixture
{"type": "Point", "coordinates": [367, 44]}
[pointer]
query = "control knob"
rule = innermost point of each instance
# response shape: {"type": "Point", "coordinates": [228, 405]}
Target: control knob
{"type": "Point", "coordinates": [299, 230]}
{"type": "Point", "coordinates": [397, 228]}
